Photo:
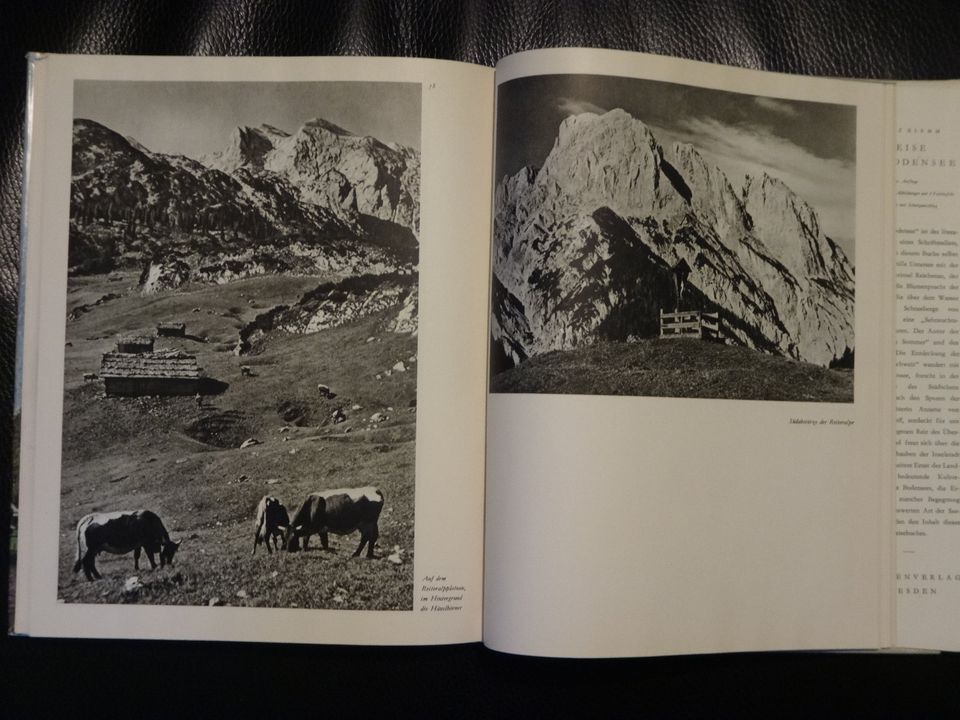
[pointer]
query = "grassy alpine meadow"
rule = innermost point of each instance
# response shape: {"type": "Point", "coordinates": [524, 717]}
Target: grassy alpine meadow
{"type": "Point", "coordinates": [675, 367]}
{"type": "Point", "coordinates": [182, 459]}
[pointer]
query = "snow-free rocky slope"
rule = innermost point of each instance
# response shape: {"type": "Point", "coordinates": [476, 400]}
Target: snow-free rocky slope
{"type": "Point", "coordinates": [584, 247]}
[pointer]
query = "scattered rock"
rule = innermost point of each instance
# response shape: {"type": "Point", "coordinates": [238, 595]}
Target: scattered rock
{"type": "Point", "coordinates": [214, 602]}
{"type": "Point", "coordinates": [242, 594]}
{"type": "Point", "coordinates": [246, 371]}
{"type": "Point", "coordinates": [241, 478]}
{"type": "Point", "coordinates": [356, 407]}
{"type": "Point", "coordinates": [194, 536]}
{"type": "Point", "coordinates": [412, 359]}
{"type": "Point", "coordinates": [379, 377]}
{"type": "Point", "coordinates": [399, 366]}
{"type": "Point", "coordinates": [285, 428]}
{"type": "Point", "coordinates": [378, 417]}
{"type": "Point", "coordinates": [249, 442]}
{"type": "Point", "coordinates": [273, 481]}
{"type": "Point", "coordinates": [286, 439]}
{"type": "Point", "coordinates": [180, 461]}
{"type": "Point", "coordinates": [389, 409]}
{"type": "Point", "coordinates": [195, 310]}
{"type": "Point", "coordinates": [293, 452]}
{"type": "Point", "coordinates": [89, 376]}
{"type": "Point", "coordinates": [396, 557]}
{"type": "Point", "coordinates": [338, 416]}
{"type": "Point", "coordinates": [388, 373]}
{"type": "Point", "coordinates": [349, 429]}
{"type": "Point", "coordinates": [132, 587]}
{"type": "Point", "coordinates": [371, 339]}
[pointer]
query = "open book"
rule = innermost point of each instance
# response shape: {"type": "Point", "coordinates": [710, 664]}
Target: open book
{"type": "Point", "coordinates": [593, 354]}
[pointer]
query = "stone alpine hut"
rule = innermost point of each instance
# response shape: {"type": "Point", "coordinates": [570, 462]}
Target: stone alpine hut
{"type": "Point", "coordinates": [169, 372]}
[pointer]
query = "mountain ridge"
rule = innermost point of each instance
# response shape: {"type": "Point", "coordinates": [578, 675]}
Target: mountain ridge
{"type": "Point", "coordinates": [244, 211]}
{"type": "Point", "coordinates": [759, 257]}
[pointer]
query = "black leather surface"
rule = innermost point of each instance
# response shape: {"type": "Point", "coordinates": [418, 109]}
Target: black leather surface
{"type": "Point", "coordinates": [878, 39]}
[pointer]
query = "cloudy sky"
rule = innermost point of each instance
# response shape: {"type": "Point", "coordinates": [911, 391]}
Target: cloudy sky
{"type": "Point", "coordinates": [193, 118]}
{"type": "Point", "coordinates": [810, 146]}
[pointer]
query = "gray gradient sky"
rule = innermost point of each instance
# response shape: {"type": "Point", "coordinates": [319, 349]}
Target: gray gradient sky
{"type": "Point", "coordinates": [193, 118]}
{"type": "Point", "coordinates": [810, 146]}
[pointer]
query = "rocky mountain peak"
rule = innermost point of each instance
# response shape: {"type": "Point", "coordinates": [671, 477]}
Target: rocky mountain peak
{"type": "Point", "coordinates": [616, 128]}
{"type": "Point", "coordinates": [246, 147]}
{"type": "Point", "coordinates": [611, 159]}
{"type": "Point", "coordinates": [584, 247]}
{"type": "Point", "coordinates": [332, 168]}
{"type": "Point", "coordinates": [270, 130]}
{"type": "Point", "coordinates": [322, 124]}
{"type": "Point", "coordinates": [95, 144]}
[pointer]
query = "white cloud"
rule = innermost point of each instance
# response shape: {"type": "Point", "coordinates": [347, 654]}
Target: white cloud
{"type": "Point", "coordinates": [777, 106]}
{"type": "Point", "coordinates": [828, 185]}
{"type": "Point", "coordinates": [573, 106]}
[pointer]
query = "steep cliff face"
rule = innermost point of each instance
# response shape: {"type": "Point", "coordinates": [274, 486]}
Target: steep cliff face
{"type": "Point", "coordinates": [584, 247]}
{"type": "Point", "coordinates": [332, 168]}
{"type": "Point", "coordinates": [246, 147]}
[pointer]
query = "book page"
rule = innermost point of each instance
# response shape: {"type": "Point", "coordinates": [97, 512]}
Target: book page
{"type": "Point", "coordinates": [691, 352]}
{"type": "Point", "coordinates": [252, 288]}
{"type": "Point", "coordinates": [928, 365]}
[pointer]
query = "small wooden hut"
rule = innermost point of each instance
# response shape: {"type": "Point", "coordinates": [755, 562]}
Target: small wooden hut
{"type": "Point", "coordinates": [168, 372]}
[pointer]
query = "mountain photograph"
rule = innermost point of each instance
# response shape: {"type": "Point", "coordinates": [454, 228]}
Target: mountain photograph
{"type": "Point", "coordinates": [240, 375]}
{"type": "Point", "coordinates": [662, 240]}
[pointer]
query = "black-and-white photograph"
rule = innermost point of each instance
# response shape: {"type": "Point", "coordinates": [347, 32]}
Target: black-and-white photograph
{"type": "Point", "coordinates": [656, 239]}
{"type": "Point", "coordinates": [240, 383]}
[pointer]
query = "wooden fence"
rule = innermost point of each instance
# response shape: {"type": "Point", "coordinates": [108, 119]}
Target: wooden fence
{"type": "Point", "coordinates": [690, 323]}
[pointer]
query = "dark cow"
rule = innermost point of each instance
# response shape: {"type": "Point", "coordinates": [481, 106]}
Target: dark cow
{"type": "Point", "coordinates": [271, 522]}
{"type": "Point", "coordinates": [338, 511]}
{"type": "Point", "coordinates": [119, 533]}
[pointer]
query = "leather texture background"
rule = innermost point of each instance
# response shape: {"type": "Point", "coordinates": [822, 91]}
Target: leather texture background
{"type": "Point", "coordinates": [875, 39]}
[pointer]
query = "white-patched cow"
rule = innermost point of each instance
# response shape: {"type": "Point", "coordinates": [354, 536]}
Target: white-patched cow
{"type": "Point", "coordinates": [119, 533]}
{"type": "Point", "coordinates": [270, 523]}
{"type": "Point", "coordinates": [340, 511]}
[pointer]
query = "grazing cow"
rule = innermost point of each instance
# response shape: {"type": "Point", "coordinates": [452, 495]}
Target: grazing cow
{"type": "Point", "coordinates": [271, 522]}
{"type": "Point", "coordinates": [119, 533]}
{"type": "Point", "coordinates": [338, 511]}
